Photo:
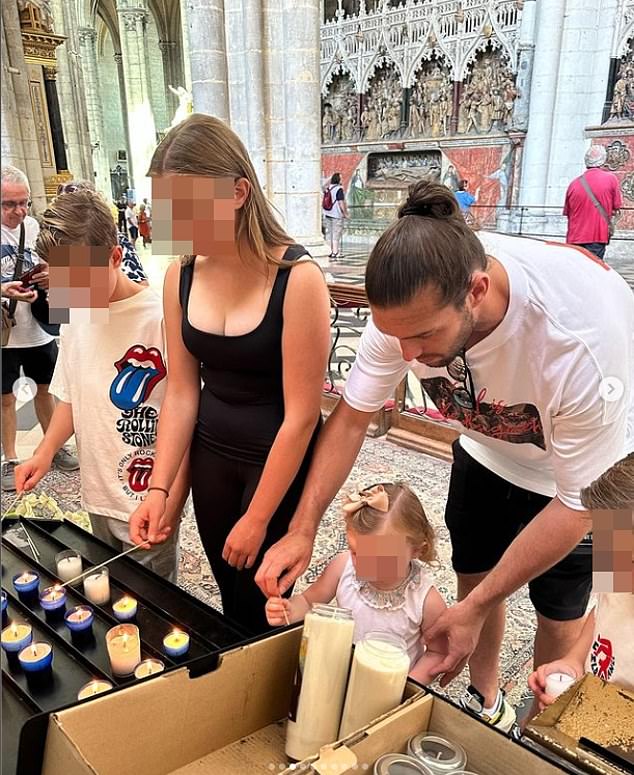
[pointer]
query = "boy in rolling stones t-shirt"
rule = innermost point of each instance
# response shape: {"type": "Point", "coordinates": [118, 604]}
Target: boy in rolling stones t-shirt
{"type": "Point", "coordinates": [110, 380]}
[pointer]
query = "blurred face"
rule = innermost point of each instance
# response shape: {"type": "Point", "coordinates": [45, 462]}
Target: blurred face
{"type": "Point", "coordinates": [382, 558]}
{"type": "Point", "coordinates": [196, 215]}
{"type": "Point", "coordinates": [429, 332]}
{"type": "Point", "coordinates": [83, 279]}
{"type": "Point", "coordinates": [15, 204]}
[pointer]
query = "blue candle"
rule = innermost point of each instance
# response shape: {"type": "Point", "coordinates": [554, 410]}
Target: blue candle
{"type": "Point", "coordinates": [80, 618]}
{"type": "Point", "coordinates": [16, 636]}
{"type": "Point", "coordinates": [36, 658]}
{"type": "Point", "coordinates": [53, 598]}
{"type": "Point", "coordinates": [125, 609]}
{"type": "Point", "coordinates": [26, 584]}
{"type": "Point", "coordinates": [176, 643]}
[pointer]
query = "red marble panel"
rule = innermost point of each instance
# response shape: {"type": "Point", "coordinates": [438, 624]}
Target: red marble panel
{"type": "Point", "coordinates": [486, 170]}
{"type": "Point", "coordinates": [344, 163]}
{"type": "Point", "coordinates": [621, 163]}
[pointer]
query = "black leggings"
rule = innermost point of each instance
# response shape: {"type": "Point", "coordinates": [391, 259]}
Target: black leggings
{"type": "Point", "coordinates": [222, 490]}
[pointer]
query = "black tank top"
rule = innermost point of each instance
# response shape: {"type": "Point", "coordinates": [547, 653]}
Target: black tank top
{"type": "Point", "coordinates": [242, 400]}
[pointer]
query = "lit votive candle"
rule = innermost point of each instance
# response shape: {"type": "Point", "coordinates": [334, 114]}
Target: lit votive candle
{"type": "Point", "coordinates": [149, 667]}
{"type": "Point", "coordinates": [80, 618]}
{"type": "Point", "coordinates": [92, 688]}
{"type": "Point", "coordinates": [125, 608]}
{"type": "Point", "coordinates": [26, 585]}
{"type": "Point", "coordinates": [97, 586]}
{"type": "Point", "coordinates": [557, 683]}
{"type": "Point", "coordinates": [68, 564]}
{"type": "Point", "coordinates": [124, 648]}
{"type": "Point", "coordinates": [53, 599]}
{"type": "Point", "coordinates": [176, 643]}
{"type": "Point", "coordinates": [16, 636]}
{"type": "Point", "coordinates": [36, 658]}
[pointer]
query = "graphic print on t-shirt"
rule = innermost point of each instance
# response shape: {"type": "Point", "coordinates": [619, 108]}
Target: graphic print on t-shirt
{"type": "Point", "coordinates": [134, 472]}
{"type": "Point", "coordinates": [138, 373]}
{"type": "Point", "coordinates": [602, 658]}
{"type": "Point", "coordinates": [517, 424]}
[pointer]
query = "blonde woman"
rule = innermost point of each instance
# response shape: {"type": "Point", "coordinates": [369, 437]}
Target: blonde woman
{"type": "Point", "coordinates": [250, 320]}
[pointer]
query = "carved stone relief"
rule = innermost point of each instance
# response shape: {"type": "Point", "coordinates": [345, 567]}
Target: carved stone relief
{"type": "Point", "coordinates": [622, 107]}
{"type": "Point", "coordinates": [488, 95]}
{"type": "Point", "coordinates": [402, 168]}
{"type": "Point", "coordinates": [381, 117]}
{"type": "Point", "coordinates": [340, 111]}
{"type": "Point", "coordinates": [431, 101]}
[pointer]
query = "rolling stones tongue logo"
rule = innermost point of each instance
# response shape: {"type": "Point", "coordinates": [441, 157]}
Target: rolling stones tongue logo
{"type": "Point", "coordinates": [138, 373]}
{"type": "Point", "coordinates": [139, 472]}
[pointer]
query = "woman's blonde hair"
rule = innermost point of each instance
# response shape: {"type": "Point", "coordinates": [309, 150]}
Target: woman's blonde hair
{"type": "Point", "coordinates": [406, 514]}
{"type": "Point", "coordinates": [614, 489]}
{"type": "Point", "coordinates": [205, 146]}
{"type": "Point", "coordinates": [80, 218]}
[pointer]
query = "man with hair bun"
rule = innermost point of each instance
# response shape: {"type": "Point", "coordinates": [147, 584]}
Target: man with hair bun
{"type": "Point", "coordinates": [539, 384]}
{"type": "Point", "coordinates": [593, 200]}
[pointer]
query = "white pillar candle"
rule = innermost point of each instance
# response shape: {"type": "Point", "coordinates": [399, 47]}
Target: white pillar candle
{"type": "Point", "coordinates": [321, 680]}
{"type": "Point", "coordinates": [124, 648]}
{"type": "Point", "coordinates": [97, 586]}
{"type": "Point", "coordinates": [377, 680]}
{"type": "Point", "coordinates": [557, 683]}
{"type": "Point", "coordinates": [68, 564]}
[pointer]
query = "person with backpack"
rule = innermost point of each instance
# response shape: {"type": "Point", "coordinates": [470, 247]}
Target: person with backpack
{"type": "Point", "coordinates": [592, 202]}
{"type": "Point", "coordinates": [335, 210]}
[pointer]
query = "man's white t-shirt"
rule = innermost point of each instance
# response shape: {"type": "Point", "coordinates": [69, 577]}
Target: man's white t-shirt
{"type": "Point", "coordinates": [114, 376]}
{"type": "Point", "coordinates": [611, 655]}
{"type": "Point", "coordinates": [26, 332]}
{"type": "Point", "coordinates": [541, 421]}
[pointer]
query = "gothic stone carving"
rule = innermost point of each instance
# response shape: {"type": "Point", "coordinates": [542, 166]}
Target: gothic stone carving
{"type": "Point", "coordinates": [382, 110]}
{"type": "Point", "coordinates": [431, 101]}
{"type": "Point", "coordinates": [618, 155]}
{"type": "Point", "coordinates": [340, 115]}
{"type": "Point", "coordinates": [36, 15]}
{"type": "Point", "coordinates": [398, 170]}
{"type": "Point", "coordinates": [488, 95]}
{"type": "Point", "coordinates": [622, 106]}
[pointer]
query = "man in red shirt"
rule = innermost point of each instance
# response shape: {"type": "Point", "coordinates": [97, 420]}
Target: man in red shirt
{"type": "Point", "coordinates": [587, 222]}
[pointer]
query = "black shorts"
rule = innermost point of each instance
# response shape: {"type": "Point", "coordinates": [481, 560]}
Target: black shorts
{"type": "Point", "coordinates": [38, 363]}
{"type": "Point", "coordinates": [484, 514]}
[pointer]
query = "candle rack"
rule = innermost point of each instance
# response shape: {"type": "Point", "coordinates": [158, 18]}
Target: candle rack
{"type": "Point", "coordinates": [77, 659]}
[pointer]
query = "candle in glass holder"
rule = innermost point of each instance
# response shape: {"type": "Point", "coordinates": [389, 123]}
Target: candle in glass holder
{"type": "Point", "coordinates": [125, 608]}
{"type": "Point", "coordinates": [438, 753]}
{"type": "Point", "coordinates": [557, 683]}
{"type": "Point", "coordinates": [176, 643]}
{"type": "Point", "coordinates": [97, 586]}
{"type": "Point", "coordinates": [16, 636]}
{"type": "Point", "coordinates": [124, 648]}
{"type": "Point", "coordinates": [36, 658]}
{"type": "Point", "coordinates": [80, 618]}
{"type": "Point", "coordinates": [5, 603]}
{"type": "Point", "coordinates": [92, 688]}
{"type": "Point", "coordinates": [26, 585]}
{"type": "Point", "coordinates": [399, 764]}
{"type": "Point", "coordinates": [68, 564]}
{"type": "Point", "coordinates": [53, 598]}
{"type": "Point", "coordinates": [148, 667]}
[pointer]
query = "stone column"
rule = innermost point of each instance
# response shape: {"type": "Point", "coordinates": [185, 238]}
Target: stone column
{"type": "Point", "coordinates": [24, 119]}
{"type": "Point", "coordinates": [100, 165]}
{"type": "Point", "coordinates": [12, 148]}
{"type": "Point", "coordinates": [526, 56]}
{"type": "Point", "coordinates": [549, 26]}
{"type": "Point", "coordinates": [184, 48]}
{"type": "Point", "coordinates": [142, 133]}
{"type": "Point", "coordinates": [118, 60]}
{"type": "Point", "coordinates": [55, 118]}
{"type": "Point", "coordinates": [204, 20]}
{"type": "Point", "coordinates": [291, 29]}
{"type": "Point", "coordinates": [170, 77]}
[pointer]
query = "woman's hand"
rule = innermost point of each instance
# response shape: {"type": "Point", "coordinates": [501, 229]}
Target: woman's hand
{"type": "Point", "coordinates": [537, 680]}
{"type": "Point", "coordinates": [15, 290]}
{"type": "Point", "coordinates": [278, 611]}
{"type": "Point", "coordinates": [244, 542]}
{"type": "Point", "coordinates": [145, 523]}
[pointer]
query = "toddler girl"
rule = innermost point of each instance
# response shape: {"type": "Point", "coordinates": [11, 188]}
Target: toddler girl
{"type": "Point", "coordinates": [382, 578]}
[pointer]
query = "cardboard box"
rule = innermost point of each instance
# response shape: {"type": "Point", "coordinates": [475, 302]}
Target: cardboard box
{"type": "Point", "coordinates": [594, 709]}
{"type": "Point", "coordinates": [230, 721]}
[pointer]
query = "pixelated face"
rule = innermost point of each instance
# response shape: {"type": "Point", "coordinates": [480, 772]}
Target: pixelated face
{"type": "Point", "coordinates": [613, 551]}
{"type": "Point", "coordinates": [16, 200]}
{"type": "Point", "coordinates": [194, 215]}
{"type": "Point", "coordinates": [382, 558]}
{"type": "Point", "coordinates": [82, 281]}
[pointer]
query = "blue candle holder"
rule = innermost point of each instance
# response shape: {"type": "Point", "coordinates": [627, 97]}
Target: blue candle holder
{"type": "Point", "coordinates": [176, 644]}
{"type": "Point", "coordinates": [5, 603]}
{"type": "Point", "coordinates": [26, 585]}
{"type": "Point", "coordinates": [79, 619]}
{"type": "Point", "coordinates": [36, 658]}
{"type": "Point", "coordinates": [53, 599]}
{"type": "Point", "coordinates": [15, 637]}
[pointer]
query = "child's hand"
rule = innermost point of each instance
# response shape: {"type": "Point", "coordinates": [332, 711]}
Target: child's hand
{"type": "Point", "coordinates": [29, 473]}
{"type": "Point", "coordinates": [537, 680]}
{"type": "Point", "coordinates": [275, 609]}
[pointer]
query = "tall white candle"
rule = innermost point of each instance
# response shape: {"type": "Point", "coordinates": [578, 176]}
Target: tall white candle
{"type": "Point", "coordinates": [68, 564]}
{"type": "Point", "coordinates": [557, 683]}
{"type": "Point", "coordinates": [377, 680]}
{"type": "Point", "coordinates": [124, 648]}
{"type": "Point", "coordinates": [97, 586]}
{"type": "Point", "coordinates": [325, 654]}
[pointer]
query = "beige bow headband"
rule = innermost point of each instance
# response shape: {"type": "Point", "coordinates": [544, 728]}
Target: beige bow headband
{"type": "Point", "coordinates": [376, 498]}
